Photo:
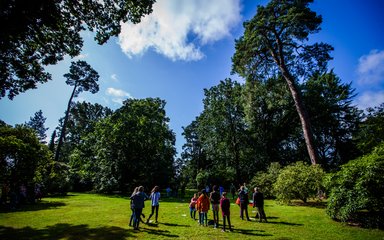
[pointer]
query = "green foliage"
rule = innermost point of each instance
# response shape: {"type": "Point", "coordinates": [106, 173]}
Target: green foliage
{"type": "Point", "coordinates": [39, 33]}
{"type": "Point", "coordinates": [265, 180]}
{"type": "Point", "coordinates": [299, 181]}
{"type": "Point", "coordinates": [216, 176]}
{"type": "Point", "coordinates": [134, 146]}
{"type": "Point", "coordinates": [358, 187]}
{"type": "Point", "coordinates": [37, 123]}
{"type": "Point", "coordinates": [334, 118]}
{"type": "Point", "coordinates": [371, 132]}
{"type": "Point", "coordinates": [23, 158]}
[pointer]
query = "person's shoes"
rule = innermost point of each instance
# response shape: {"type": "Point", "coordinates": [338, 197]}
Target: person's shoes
{"type": "Point", "coordinates": [222, 230]}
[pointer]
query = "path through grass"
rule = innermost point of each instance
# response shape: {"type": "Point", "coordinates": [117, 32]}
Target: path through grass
{"type": "Point", "coordinates": [92, 216]}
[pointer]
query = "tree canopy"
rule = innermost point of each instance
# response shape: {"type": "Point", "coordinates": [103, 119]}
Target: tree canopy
{"type": "Point", "coordinates": [38, 33]}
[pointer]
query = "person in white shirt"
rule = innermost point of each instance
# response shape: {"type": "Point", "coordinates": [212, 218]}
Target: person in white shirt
{"type": "Point", "coordinates": [155, 197]}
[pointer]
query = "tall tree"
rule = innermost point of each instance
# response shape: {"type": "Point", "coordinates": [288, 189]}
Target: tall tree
{"type": "Point", "coordinates": [134, 146]}
{"type": "Point", "coordinates": [274, 42]}
{"type": "Point", "coordinates": [83, 78]}
{"type": "Point", "coordinates": [222, 129]}
{"type": "Point", "coordinates": [335, 119]}
{"type": "Point", "coordinates": [37, 123]}
{"type": "Point", "coordinates": [38, 33]}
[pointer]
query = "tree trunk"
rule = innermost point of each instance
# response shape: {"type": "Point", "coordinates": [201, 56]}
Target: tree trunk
{"type": "Point", "coordinates": [63, 129]}
{"type": "Point", "coordinates": [304, 119]}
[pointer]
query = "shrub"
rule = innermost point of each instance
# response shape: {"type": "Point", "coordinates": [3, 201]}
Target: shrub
{"type": "Point", "coordinates": [298, 181]}
{"type": "Point", "coordinates": [358, 188]}
{"type": "Point", "coordinates": [265, 180]}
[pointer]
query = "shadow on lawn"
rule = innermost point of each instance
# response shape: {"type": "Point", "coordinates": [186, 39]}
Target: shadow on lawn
{"type": "Point", "coordinates": [252, 232]}
{"type": "Point", "coordinates": [67, 231]}
{"type": "Point", "coordinates": [164, 233]}
{"type": "Point", "coordinates": [34, 207]}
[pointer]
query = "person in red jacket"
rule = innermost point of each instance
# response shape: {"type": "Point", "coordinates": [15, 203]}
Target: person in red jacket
{"type": "Point", "coordinates": [225, 205]}
{"type": "Point", "coordinates": [203, 207]}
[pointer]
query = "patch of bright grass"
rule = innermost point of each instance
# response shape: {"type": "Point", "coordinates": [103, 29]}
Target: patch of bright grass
{"type": "Point", "coordinates": [92, 216]}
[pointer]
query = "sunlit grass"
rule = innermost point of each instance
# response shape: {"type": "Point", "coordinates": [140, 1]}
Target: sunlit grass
{"type": "Point", "coordinates": [92, 216]}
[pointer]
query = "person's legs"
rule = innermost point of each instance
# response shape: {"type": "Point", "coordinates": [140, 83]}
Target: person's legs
{"type": "Point", "coordinates": [206, 218]}
{"type": "Point", "coordinates": [241, 211]}
{"type": "Point", "coordinates": [152, 212]}
{"type": "Point", "coordinates": [157, 212]}
{"type": "Point", "coordinates": [229, 222]}
{"type": "Point", "coordinates": [132, 218]}
{"type": "Point", "coordinates": [194, 214]}
{"type": "Point", "coordinates": [138, 212]}
{"type": "Point", "coordinates": [223, 223]}
{"type": "Point", "coordinates": [246, 213]}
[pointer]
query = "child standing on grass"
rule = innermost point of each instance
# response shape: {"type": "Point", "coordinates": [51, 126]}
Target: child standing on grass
{"type": "Point", "coordinates": [203, 207]}
{"type": "Point", "coordinates": [155, 197]}
{"type": "Point", "coordinates": [225, 205]}
{"type": "Point", "coordinates": [192, 206]}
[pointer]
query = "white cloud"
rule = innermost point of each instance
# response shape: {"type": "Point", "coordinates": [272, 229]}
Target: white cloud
{"type": "Point", "coordinates": [81, 56]}
{"type": "Point", "coordinates": [370, 99]}
{"type": "Point", "coordinates": [371, 68]}
{"type": "Point", "coordinates": [178, 28]}
{"type": "Point", "coordinates": [114, 77]}
{"type": "Point", "coordinates": [118, 95]}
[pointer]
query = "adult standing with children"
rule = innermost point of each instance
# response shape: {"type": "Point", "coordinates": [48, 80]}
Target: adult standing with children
{"type": "Point", "coordinates": [155, 197]}
{"type": "Point", "coordinates": [258, 202]}
{"type": "Point", "coordinates": [138, 201]}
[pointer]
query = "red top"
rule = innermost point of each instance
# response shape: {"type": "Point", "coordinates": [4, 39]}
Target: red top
{"type": "Point", "coordinates": [203, 203]}
{"type": "Point", "coordinates": [225, 205]}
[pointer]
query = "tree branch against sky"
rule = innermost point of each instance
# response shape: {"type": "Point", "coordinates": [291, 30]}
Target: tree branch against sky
{"type": "Point", "coordinates": [38, 33]}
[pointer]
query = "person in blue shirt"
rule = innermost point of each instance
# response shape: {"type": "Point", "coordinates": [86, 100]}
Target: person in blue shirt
{"type": "Point", "coordinates": [155, 197]}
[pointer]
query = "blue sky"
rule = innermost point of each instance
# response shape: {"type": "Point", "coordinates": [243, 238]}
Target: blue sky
{"type": "Point", "coordinates": [185, 46]}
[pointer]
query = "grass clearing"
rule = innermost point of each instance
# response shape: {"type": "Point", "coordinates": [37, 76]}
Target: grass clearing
{"type": "Point", "coordinates": [93, 216]}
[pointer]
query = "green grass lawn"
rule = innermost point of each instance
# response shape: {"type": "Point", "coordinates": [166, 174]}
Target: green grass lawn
{"type": "Point", "coordinates": [92, 216]}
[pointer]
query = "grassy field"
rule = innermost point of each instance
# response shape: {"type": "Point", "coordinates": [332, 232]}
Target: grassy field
{"type": "Point", "coordinates": [92, 216]}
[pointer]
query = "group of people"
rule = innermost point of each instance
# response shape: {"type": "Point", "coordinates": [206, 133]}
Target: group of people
{"type": "Point", "coordinates": [137, 204]}
{"type": "Point", "coordinates": [201, 202]}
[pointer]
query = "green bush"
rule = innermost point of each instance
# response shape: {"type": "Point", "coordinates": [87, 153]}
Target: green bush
{"type": "Point", "coordinates": [358, 189]}
{"type": "Point", "coordinates": [299, 181]}
{"type": "Point", "coordinates": [265, 180]}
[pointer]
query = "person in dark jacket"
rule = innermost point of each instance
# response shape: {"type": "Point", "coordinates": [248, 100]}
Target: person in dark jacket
{"type": "Point", "coordinates": [258, 202]}
{"type": "Point", "coordinates": [225, 205]}
{"type": "Point", "coordinates": [244, 201]}
{"type": "Point", "coordinates": [138, 202]}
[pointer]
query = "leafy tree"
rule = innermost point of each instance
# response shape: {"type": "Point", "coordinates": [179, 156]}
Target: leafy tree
{"type": "Point", "coordinates": [193, 155]}
{"type": "Point", "coordinates": [334, 118]}
{"type": "Point", "coordinates": [83, 78]}
{"type": "Point", "coordinates": [37, 124]}
{"type": "Point", "coordinates": [38, 33]}
{"type": "Point", "coordinates": [268, 112]}
{"type": "Point", "coordinates": [274, 43]}
{"type": "Point", "coordinates": [222, 129]}
{"type": "Point", "coordinates": [357, 188]}
{"type": "Point", "coordinates": [21, 157]}
{"type": "Point", "coordinates": [299, 181]}
{"type": "Point", "coordinates": [371, 131]}
{"type": "Point", "coordinates": [51, 145]}
{"type": "Point", "coordinates": [78, 149]}
{"type": "Point", "coordinates": [133, 147]}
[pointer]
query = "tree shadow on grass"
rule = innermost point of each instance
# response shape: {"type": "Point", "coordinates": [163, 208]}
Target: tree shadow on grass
{"type": "Point", "coordinates": [285, 223]}
{"type": "Point", "coordinates": [34, 207]}
{"type": "Point", "coordinates": [252, 232]}
{"type": "Point", "coordinates": [67, 231]}
{"type": "Point", "coordinates": [164, 233]}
